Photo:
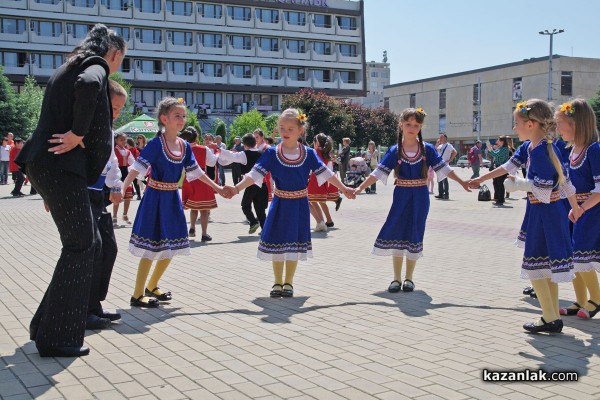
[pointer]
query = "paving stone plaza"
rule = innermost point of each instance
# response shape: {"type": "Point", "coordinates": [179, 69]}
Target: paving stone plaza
{"type": "Point", "coordinates": [342, 336]}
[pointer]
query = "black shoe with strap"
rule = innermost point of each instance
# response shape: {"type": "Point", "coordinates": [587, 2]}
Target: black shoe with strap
{"type": "Point", "coordinates": [550, 327]}
{"type": "Point", "coordinates": [569, 311]}
{"type": "Point", "coordinates": [276, 290]}
{"type": "Point", "coordinates": [586, 314]}
{"type": "Point", "coordinates": [288, 290]}
{"type": "Point", "coordinates": [151, 303]}
{"type": "Point", "coordinates": [408, 286]}
{"type": "Point", "coordinates": [165, 296]}
{"type": "Point", "coordinates": [395, 286]}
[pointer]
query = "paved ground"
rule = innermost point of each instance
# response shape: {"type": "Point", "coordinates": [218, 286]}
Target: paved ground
{"type": "Point", "coordinates": [342, 337]}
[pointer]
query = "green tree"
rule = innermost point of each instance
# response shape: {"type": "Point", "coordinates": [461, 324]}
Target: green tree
{"type": "Point", "coordinates": [127, 114]}
{"type": "Point", "coordinates": [595, 103]}
{"type": "Point", "coordinates": [325, 114]}
{"type": "Point", "coordinates": [247, 122]}
{"type": "Point", "coordinates": [12, 118]}
{"type": "Point", "coordinates": [271, 123]}
{"type": "Point", "coordinates": [215, 123]}
{"type": "Point", "coordinates": [192, 120]}
{"type": "Point", "coordinates": [30, 101]}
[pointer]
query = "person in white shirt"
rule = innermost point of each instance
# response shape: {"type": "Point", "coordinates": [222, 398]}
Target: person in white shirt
{"type": "Point", "coordinates": [221, 170]}
{"type": "Point", "coordinates": [448, 153]}
{"type": "Point", "coordinates": [4, 161]}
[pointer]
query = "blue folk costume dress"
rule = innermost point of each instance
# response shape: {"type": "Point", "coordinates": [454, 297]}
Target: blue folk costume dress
{"type": "Point", "coordinates": [286, 234]}
{"type": "Point", "coordinates": [160, 229]}
{"type": "Point", "coordinates": [403, 231]}
{"type": "Point", "coordinates": [545, 228]}
{"type": "Point", "coordinates": [584, 171]}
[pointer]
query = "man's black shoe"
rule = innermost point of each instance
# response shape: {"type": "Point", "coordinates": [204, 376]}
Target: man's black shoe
{"type": "Point", "coordinates": [66, 351]}
{"type": "Point", "coordinates": [95, 322]}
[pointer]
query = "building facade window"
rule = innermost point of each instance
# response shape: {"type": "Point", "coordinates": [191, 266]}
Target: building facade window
{"type": "Point", "coordinates": [181, 8]}
{"type": "Point", "coordinates": [268, 44]}
{"type": "Point", "coordinates": [125, 66]}
{"type": "Point", "coordinates": [46, 28]}
{"type": "Point", "coordinates": [267, 15]}
{"type": "Point", "coordinates": [148, 6]}
{"type": "Point", "coordinates": [151, 66]}
{"type": "Point", "coordinates": [234, 100]}
{"type": "Point", "coordinates": [12, 25]}
{"type": "Point", "coordinates": [211, 40]}
{"type": "Point", "coordinates": [179, 38]}
{"type": "Point", "coordinates": [78, 31]}
{"type": "Point", "coordinates": [83, 3]}
{"type": "Point", "coordinates": [49, 2]}
{"type": "Point", "coordinates": [188, 97]}
{"type": "Point", "coordinates": [296, 46]}
{"type": "Point", "coordinates": [239, 13]}
{"type": "Point", "coordinates": [297, 74]}
{"type": "Point", "coordinates": [214, 11]}
{"type": "Point", "coordinates": [386, 103]}
{"type": "Point", "coordinates": [295, 18]}
{"type": "Point", "coordinates": [348, 50]}
{"type": "Point", "coordinates": [181, 67]}
{"type": "Point", "coordinates": [323, 48]}
{"type": "Point", "coordinates": [147, 98]}
{"type": "Point", "coordinates": [241, 70]}
{"type": "Point", "coordinates": [150, 36]}
{"type": "Point", "coordinates": [322, 20]}
{"type": "Point", "coordinates": [267, 102]}
{"type": "Point", "coordinates": [13, 59]}
{"type": "Point", "coordinates": [269, 72]}
{"type": "Point", "coordinates": [412, 100]}
{"type": "Point", "coordinates": [212, 70]}
{"type": "Point", "coordinates": [240, 42]}
{"type": "Point", "coordinates": [442, 123]}
{"type": "Point", "coordinates": [374, 74]}
{"type": "Point", "coordinates": [123, 31]}
{"type": "Point", "coordinates": [347, 23]}
{"type": "Point", "coordinates": [348, 76]}
{"type": "Point", "coordinates": [116, 4]}
{"type": "Point", "coordinates": [322, 75]}
{"type": "Point", "coordinates": [210, 100]}
{"type": "Point", "coordinates": [566, 83]}
{"type": "Point", "coordinates": [47, 61]}
{"type": "Point", "coordinates": [442, 99]}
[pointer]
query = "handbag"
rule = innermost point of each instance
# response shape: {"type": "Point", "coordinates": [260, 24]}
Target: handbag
{"type": "Point", "coordinates": [484, 193]}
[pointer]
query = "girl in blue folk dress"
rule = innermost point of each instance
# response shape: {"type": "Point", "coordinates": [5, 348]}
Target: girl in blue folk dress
{"type": "Point", "coordinates": [576, 123]}
{"type": "Point", "coordinates": [402, 234]}
{"type": "Point", "coordinates": [160, 229]}
{"type": "Point", "coordinates": [285, 238]}
{"type": "Point", "coordinates": [548, 257]}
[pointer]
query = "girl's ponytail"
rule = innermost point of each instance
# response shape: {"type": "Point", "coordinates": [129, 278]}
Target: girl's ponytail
{"type": "Point", "coordinates": [424, 167]}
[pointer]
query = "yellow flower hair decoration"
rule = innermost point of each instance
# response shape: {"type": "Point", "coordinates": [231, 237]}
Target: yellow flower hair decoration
{"type": "Point", "coordinates": [302, 118]}
{"type": "Point", "coordinates": [421, 111]}
{"type": "Point", "coordinates": [568, 109]}
{"type": "Point", "coordinates": [522, 108]}
{"type": "Point", "coordinates": [181, 100]}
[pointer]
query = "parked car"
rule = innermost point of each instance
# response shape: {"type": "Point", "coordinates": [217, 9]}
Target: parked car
{"type": "Point", "coordinates": [463, 161]}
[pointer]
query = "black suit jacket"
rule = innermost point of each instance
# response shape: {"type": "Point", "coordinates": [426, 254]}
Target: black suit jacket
{"type": "Point", "coordinates": [76, 99]}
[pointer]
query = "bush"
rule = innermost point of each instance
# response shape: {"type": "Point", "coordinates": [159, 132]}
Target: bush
{"type": "Point", "coordinates": [247, 122]}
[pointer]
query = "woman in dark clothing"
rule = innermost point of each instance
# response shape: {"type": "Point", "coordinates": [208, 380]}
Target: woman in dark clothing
{"type": "Point", "coordinates": [66, 153]}
{"type": "Point", "coordinates": [500, 154]}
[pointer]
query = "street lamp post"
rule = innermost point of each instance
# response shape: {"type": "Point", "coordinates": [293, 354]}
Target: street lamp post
{"type": "Point", "coordinates": [551, 34]}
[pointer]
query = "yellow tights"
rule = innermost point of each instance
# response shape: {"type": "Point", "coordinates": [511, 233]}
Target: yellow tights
{"type": "Point", "coordinates": [144, 271]}
{"type": "Point", "coordinates": [290, 271]}
{"type": "Point", "coordinates": [584, 283]}
{"type": "Point", "coordinates": [410, 268]}
{"type": "Point", "coordinates": [547, 294]}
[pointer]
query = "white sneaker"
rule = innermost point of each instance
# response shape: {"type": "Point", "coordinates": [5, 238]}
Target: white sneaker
{"type": "Point", "coordinates": [321, 227]}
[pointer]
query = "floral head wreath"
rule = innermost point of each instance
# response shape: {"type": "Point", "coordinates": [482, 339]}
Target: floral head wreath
{"type": "Point", "coordinates": [421, 111]}
{"type": "Point", "coordinates": [522, 108]}
{"type": "Point", "coordinates": [302, 118]}
{"type": "Point", "coordinates": [568, 109]}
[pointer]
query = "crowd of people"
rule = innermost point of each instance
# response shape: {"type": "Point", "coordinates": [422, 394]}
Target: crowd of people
{"type": "Point", "coordinates": [79, 154]}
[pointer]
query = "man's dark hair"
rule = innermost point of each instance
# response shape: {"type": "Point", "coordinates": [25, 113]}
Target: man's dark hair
{"type": "Point", "coordinates": [248, 140]}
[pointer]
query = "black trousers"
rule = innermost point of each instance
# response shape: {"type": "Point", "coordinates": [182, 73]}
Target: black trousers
{"type": "Point", "coordinates": [61, 316]}
{"type": "Point", "coordinates": [19, 179]}
{"type": "Point", "coordinates": [236, 173]}
{"type": "Point", "coordinates": [499, 191]}
{"type": "Point", "coordinates": [443, 187]}
{"type": "Point", "coordinates": [259, 197]}
{"type": "Point", "coordinates": [104, 263]}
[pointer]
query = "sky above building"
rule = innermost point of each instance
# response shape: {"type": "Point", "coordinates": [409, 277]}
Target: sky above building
{"type": "Point", "coordinates": [429, 38]}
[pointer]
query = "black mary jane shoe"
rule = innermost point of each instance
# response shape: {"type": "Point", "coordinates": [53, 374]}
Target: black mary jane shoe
{"type": "Point", "coordinates": [63, 351]}
{"type": "Point", "coordinates": [408, 286]}
{"type": "Point", "coordinates": [586, 314]}
{"type": "Point", "coordinates": [527, 290]}
{"type": "Point", "coordinates": [569, 311]}
{"type": "Point", "coordinates": [165, 296]}
{"type": "Point", "coordinates": [276, 290]}
{"type": "Point", "coordinates": [329, 224]}
{"type": "Point", "coordinates": [550, 327]}
{"type": "Point", "coordinates": [151, 303]}
{"type": "Point", "coordinates": [288, 290]}
{"type": "Point", "coordinates": [393, 288]}
{"type": "Point", "coordinates": [206, 238]}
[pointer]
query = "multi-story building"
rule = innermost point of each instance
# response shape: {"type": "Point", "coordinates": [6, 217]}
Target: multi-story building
{"type": "Point", "coordinates": [378, 76]}
{"type": "Point", "coordinates": [220, 56]}
{"type": "Point", "coordinates": [482, 101]}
